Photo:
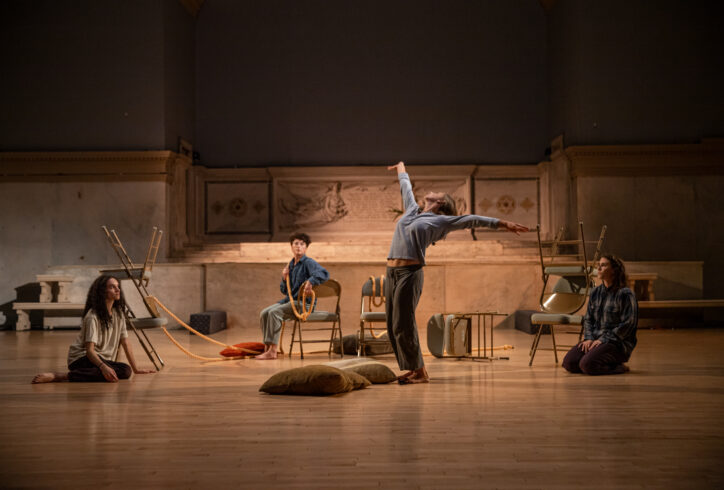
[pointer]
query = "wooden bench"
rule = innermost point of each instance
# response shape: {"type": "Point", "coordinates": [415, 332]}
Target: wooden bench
{"type": "Point", "coordinates": [642, 284]}
{"type": "Point", "coordinates": [682, 304]}
{"type": "Point", "coordinates": [58, 310]}
{"type": "Point", "coordinates": [677, 312]}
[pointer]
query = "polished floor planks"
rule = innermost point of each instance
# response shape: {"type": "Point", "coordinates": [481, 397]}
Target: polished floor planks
{"type": "Point", "coordinates": [495, 424]}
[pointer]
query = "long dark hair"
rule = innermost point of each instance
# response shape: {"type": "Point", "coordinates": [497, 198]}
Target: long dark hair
{"type": "Point", "coordinates": [620, 280]}
{"type": "Point", "coordinates": [96, 300]}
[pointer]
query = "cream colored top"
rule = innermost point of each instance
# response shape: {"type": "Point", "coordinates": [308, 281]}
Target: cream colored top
{"type": "Point", "coordinates": [106, 339]}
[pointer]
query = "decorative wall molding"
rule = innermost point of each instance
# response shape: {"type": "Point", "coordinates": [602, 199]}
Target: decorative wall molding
{"type": "Point", "coordinates": [73, 166]}
{"type": "Point", "coordinates": [706, 158]}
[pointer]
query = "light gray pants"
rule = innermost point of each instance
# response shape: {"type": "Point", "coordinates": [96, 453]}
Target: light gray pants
{"type": "Point", "coordinates": [271, 318]}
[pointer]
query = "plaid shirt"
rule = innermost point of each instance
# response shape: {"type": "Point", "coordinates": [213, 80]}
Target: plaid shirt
{"type": "Point", "coordinates": [611, 317]}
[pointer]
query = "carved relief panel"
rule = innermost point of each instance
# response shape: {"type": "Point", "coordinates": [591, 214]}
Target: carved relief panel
{"type": "Point", "coordinates": [509, 199]}
{"type": "Point", "coordinates": [237, 207]}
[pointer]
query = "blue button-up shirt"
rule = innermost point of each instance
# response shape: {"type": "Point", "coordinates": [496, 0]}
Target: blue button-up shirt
{"type": "Point", "coordinates": [299, 273]}
{"type": "Point", "coordinates": [612, 317]}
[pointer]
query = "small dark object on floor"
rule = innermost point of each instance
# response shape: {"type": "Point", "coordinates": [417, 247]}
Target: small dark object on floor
{"type": "Point", "coordinates": [208, 322]}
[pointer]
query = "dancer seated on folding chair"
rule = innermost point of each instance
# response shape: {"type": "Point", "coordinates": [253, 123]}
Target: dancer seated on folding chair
{"type": "Point", "coordinates": [609, 325]}
{"type": "Point", "coordinates": [303, 272]}
{"type": "Point", "coordinates": [92, 356]}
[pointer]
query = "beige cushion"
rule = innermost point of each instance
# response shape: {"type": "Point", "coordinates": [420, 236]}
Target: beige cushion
{"type": "Point", "coordinates": [374, 371]}
{"type": "Point", "coordinates": [555, 319]}
{"type": "Point", "coordinates": [322, 316]}
{"type": "Point", "coordinates": [313, 380]}
{"type": "Point", "coordinates": [150, 322]}
{"type": "Point", "coordinates": [373, 316]}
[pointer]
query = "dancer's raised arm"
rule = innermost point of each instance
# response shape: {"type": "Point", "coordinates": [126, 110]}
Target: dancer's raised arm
{"type": "Point", "coordinates": [400, 166]}
{"type": "Point", "coordinates": [408, 197]}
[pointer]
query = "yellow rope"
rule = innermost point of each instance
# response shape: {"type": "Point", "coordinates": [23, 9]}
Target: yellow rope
{"type": "Point", "coordinates": [209, 339]}
{"type": "Point", "coordinates": [374, 293]}
{"type": "Point", "coordinates": [301, 297]}
{"type": "Point", "coordinates": [375, 304]}
{"type": "Point", "coordinates": [200, 358]}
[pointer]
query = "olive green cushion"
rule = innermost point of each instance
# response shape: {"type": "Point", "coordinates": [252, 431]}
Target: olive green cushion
{"type": "Point", "coordinates": [374, 371]}
{"type": "Point", "coordinates": [313, 380]}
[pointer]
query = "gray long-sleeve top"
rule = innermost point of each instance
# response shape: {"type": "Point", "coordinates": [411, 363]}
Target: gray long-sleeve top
{"type": "Point", "coordinates": [416, 230]}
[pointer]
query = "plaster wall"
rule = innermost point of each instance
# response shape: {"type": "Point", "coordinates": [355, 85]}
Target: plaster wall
{"type": "Point", "coordinates": [48, 224]}
{"type": "Point", "coordinates": [659, 218]}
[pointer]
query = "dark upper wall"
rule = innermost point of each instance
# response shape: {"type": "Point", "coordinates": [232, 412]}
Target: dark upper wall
{"type": "Point", "coordinates": [635, 71]}
{"type": "Point", "coordinates": [179, 72]}
{"type": "Point", "coordinates": [348, 82]}
{"type": "Point", "coordinates": [95, 74]}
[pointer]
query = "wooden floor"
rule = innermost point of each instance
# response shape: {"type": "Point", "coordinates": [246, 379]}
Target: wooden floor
{"type": "Point", "coordinates": [476, 425]}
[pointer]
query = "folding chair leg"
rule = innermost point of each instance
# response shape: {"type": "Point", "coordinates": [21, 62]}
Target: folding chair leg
{"type": "Point", "coordinates": [360, 340]}
{"type": "Point", "coordinates": [291, 345]}
{"type": "Point", "coordinates": [339, 330]}
{"type": "Point", "coordinates": [534, 347]}
{"type": "Point", "coordinates": [301, 345]}
{"type": "Point", "coordinates": [152, 348]}
{"type": "Point", "coordinates": [149, 352]}
{"type": "Point", "coordinates": [553, 339]}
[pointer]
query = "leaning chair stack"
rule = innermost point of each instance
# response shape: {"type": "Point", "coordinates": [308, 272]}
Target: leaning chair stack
{"type": "Point", "coordinates": [567, 279]}
{"type": "Point", "coordinates": [140, 275]}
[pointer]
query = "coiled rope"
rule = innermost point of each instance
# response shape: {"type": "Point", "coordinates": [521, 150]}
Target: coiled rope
{"type": "Point", "coordinates": [374, 334]}
{"type": "Point", "coordinates": [374, 292]}
{"type": "Point", "coordinates": [301, 297]}
{"type": "Point", "coordinates": [155, 301]}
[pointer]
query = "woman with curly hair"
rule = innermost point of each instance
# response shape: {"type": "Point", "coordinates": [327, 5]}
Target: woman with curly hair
{"type": "Point", "coordinates": [609, 327]}
{"type": "Point", "coordinates": [418, 228]}
{"type": "Point", "coordinates": [91, 356]}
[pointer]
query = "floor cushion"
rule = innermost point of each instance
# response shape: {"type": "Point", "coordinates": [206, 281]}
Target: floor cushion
{"type": "Point", "coordinates": [313, 380]}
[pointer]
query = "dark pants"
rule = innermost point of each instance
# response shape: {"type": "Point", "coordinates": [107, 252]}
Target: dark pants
{"type": "Point", "coordinates": [83, 370]}
{"type": "Point", "coordinates": [602, 359]}
{"type": "Point", "coordinates": [403, 287]}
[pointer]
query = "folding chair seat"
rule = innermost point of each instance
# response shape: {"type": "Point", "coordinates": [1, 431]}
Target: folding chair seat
{"type": "Point", "coordinates": [373, 296]}
{"type": "Point", "coordinates": [329, 292]}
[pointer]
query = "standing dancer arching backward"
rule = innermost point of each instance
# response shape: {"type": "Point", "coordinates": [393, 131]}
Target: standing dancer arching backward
{"type": "Point", "coordinates": [415, 231]}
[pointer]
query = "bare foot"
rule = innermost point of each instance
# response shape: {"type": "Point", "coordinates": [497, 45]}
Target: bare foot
{"type": "Point", "coordinates": [413, 377]}
{"type": "Point", "coordinates": [406, 375]}
{"type": "Point", "coordinates": [270, 354]}
{"type": "Point", "coordinates": [49, 378]}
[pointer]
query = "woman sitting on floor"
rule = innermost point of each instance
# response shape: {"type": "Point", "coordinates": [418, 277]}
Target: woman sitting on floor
{"type": "Point", "coordinates": [91, 356]}
{"type": "Point", "coordinates": [609, 325]}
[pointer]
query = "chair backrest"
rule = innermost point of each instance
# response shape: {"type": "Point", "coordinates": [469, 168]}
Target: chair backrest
{"type": "Point", "coordinates": [367, 287]}
{"type": "Point", "coordinates": [328, 289]}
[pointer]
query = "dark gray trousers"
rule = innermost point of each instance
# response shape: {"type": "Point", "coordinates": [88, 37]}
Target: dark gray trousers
{"type": "Point", "coordinates": [602, 359]}
{"type": "Point", "coordinates": [403, 287]}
